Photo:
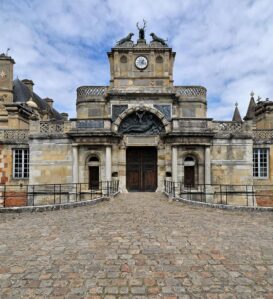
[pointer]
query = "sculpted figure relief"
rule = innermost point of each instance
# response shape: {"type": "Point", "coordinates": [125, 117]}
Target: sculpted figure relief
{"type": "Point", "coordinates": [141, 123]}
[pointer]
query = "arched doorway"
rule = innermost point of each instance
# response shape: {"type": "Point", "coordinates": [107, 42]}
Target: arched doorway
{"type": "Point", "coordinates": [94, 172]}
{"type": "Point", "coordinates": [142, 125]}
{"type": "Point", "coordinates": [189, 171]}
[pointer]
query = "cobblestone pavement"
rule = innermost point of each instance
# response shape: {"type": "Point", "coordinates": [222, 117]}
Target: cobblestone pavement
{"type": "Point", "coordinates": [138, 245]}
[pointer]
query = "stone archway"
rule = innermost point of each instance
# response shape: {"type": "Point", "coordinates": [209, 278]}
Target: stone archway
{"type": "Point", "coordinates": [155, 116]}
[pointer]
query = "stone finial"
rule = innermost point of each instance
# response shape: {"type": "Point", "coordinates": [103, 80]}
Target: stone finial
{"type": "Point", "coordinates": [252, 94]}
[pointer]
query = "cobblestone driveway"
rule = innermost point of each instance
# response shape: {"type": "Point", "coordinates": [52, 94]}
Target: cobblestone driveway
{"type": "Point", "coordinates": [137, 246]}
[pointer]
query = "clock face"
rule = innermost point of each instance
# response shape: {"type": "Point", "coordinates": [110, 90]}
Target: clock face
{"type": "Point", "coordinates": [141, 62]}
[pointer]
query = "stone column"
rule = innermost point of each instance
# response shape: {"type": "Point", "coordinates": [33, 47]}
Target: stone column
{"type": "Point", "coordinates": [207, 166]}
{"type": "Point", "coordinates": [108, 163]}
{"type": "Point", "coordinates": [75, 155]}
{"type": "Point", "coordinates": [174, 163]}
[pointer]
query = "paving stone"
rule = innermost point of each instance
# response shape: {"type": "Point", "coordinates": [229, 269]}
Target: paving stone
{"type": "Point", "coordinates": [111, 290]}
{"type": "Point", "coordinates": [124, 290]}
{"type": "Point", "coordinates": [140, 245]}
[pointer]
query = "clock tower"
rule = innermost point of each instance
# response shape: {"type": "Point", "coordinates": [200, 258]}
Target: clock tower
{"type": "Point", "coordinates": [141, 64]}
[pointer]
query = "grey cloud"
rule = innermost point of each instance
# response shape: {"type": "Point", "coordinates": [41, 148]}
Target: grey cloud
{"type": "Point", "coordinates": [224, 45]}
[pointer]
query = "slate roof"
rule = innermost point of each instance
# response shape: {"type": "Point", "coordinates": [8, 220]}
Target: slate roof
{"type": "Point", "coordinates": [21, 94]}
{"type": "Point", "coordinates": [236, 115]}
{"type": "Point", "coordinates": [251, 109]}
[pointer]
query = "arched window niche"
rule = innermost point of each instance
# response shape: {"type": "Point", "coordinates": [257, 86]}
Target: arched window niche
{"type": "Point", "coordinates": [159, 64]}
{"type": "Point", "coordinates": [93, 164]}
{"type": "Point", "coordinates": [123, 66]}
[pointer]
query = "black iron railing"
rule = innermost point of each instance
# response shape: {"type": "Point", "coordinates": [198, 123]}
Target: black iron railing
{"type": "Point", "coordinates": [53, 194]}
{"type": "Point", "coordinates": [246, 195]}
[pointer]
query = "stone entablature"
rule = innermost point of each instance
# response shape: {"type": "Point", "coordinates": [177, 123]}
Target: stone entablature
{"type": "Point", "coordinates": [191, 124]}
{"type": "Point", "coordinates": [143, 46]}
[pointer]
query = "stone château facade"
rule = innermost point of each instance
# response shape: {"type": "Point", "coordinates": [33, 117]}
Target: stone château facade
{"type": "Point", "coordinates": [140, 129]}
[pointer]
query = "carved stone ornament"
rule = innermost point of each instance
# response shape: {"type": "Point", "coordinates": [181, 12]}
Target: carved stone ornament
{"type": "Point", "coordinates": [164, 109]}
{"type": "Point", "coordinates": [117, 110]}
{"type": "Point", "coordinates": [141, 123]}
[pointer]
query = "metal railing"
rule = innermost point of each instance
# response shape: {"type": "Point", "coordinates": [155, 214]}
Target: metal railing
{"type": "Point", "coordinates": [243, 195]}
{"type": "Point", "coordinates": [53, 194]}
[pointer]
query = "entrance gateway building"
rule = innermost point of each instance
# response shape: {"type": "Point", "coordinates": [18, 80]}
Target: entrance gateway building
{"type": "Point", "coordinates": [140, 129]}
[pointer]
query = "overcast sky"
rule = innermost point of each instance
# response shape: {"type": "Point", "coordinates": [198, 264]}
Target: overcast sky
{"type": "Point", "coordinates": [223, 45]}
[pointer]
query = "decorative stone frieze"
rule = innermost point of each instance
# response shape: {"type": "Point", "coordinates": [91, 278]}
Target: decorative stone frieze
{"type": "Point", "coordinates": [90, 123]}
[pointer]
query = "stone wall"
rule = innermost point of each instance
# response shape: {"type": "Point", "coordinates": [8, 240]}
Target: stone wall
{"type": "Point", "coordinates": [231, 161]}
{"type": "Point", "coordinates": [50, 161]}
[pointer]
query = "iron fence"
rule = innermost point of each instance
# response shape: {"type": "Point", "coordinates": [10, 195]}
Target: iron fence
{"type": "Point", "coordinates": [52, 194]}
{"type": "Point", "coordinates": [245, 195]}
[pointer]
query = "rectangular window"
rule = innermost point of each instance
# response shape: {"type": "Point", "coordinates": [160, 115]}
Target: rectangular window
{"type": "Point", "coordinates": [260, 162]}
{"type": "Point", "coordinates": [20, 163]}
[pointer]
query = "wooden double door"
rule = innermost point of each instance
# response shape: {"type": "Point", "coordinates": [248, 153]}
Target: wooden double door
{"type": "Point", "coordinates": [141, 169]}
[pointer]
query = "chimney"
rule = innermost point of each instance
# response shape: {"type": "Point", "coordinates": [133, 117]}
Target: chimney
{"type": "Point", "coordinates": [6, 78]}
{"type": "Point", "coordinates": [49, 102]}
{"type": "Point", "coordinates": [64, 116]}
{"type": "Point", "coordinates": [29, 84]}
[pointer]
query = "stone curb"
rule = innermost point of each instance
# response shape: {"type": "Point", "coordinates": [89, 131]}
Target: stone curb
{"type": "Point", "coordinates": [221, 206]}
{"type": "Point", "coordinates": [62, 206]}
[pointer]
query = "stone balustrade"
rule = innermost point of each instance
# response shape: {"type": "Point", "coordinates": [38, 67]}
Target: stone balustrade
{"type": "Point", "coordinates": [190, 91]}
{"type": "Point", "coordinates": [51, 127]}
{"type": "Point", "coordinates": [85, 92]}
{"type": "Point", "coordinates": [16, 135]}
{"type": "Point", "coordinates": [227, 126]}
{"type": "Point", "coordinates": [265, 134]}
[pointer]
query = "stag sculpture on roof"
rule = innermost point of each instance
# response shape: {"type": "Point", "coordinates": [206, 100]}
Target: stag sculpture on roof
{"type": "Point", "coordinates": [141, 30]}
